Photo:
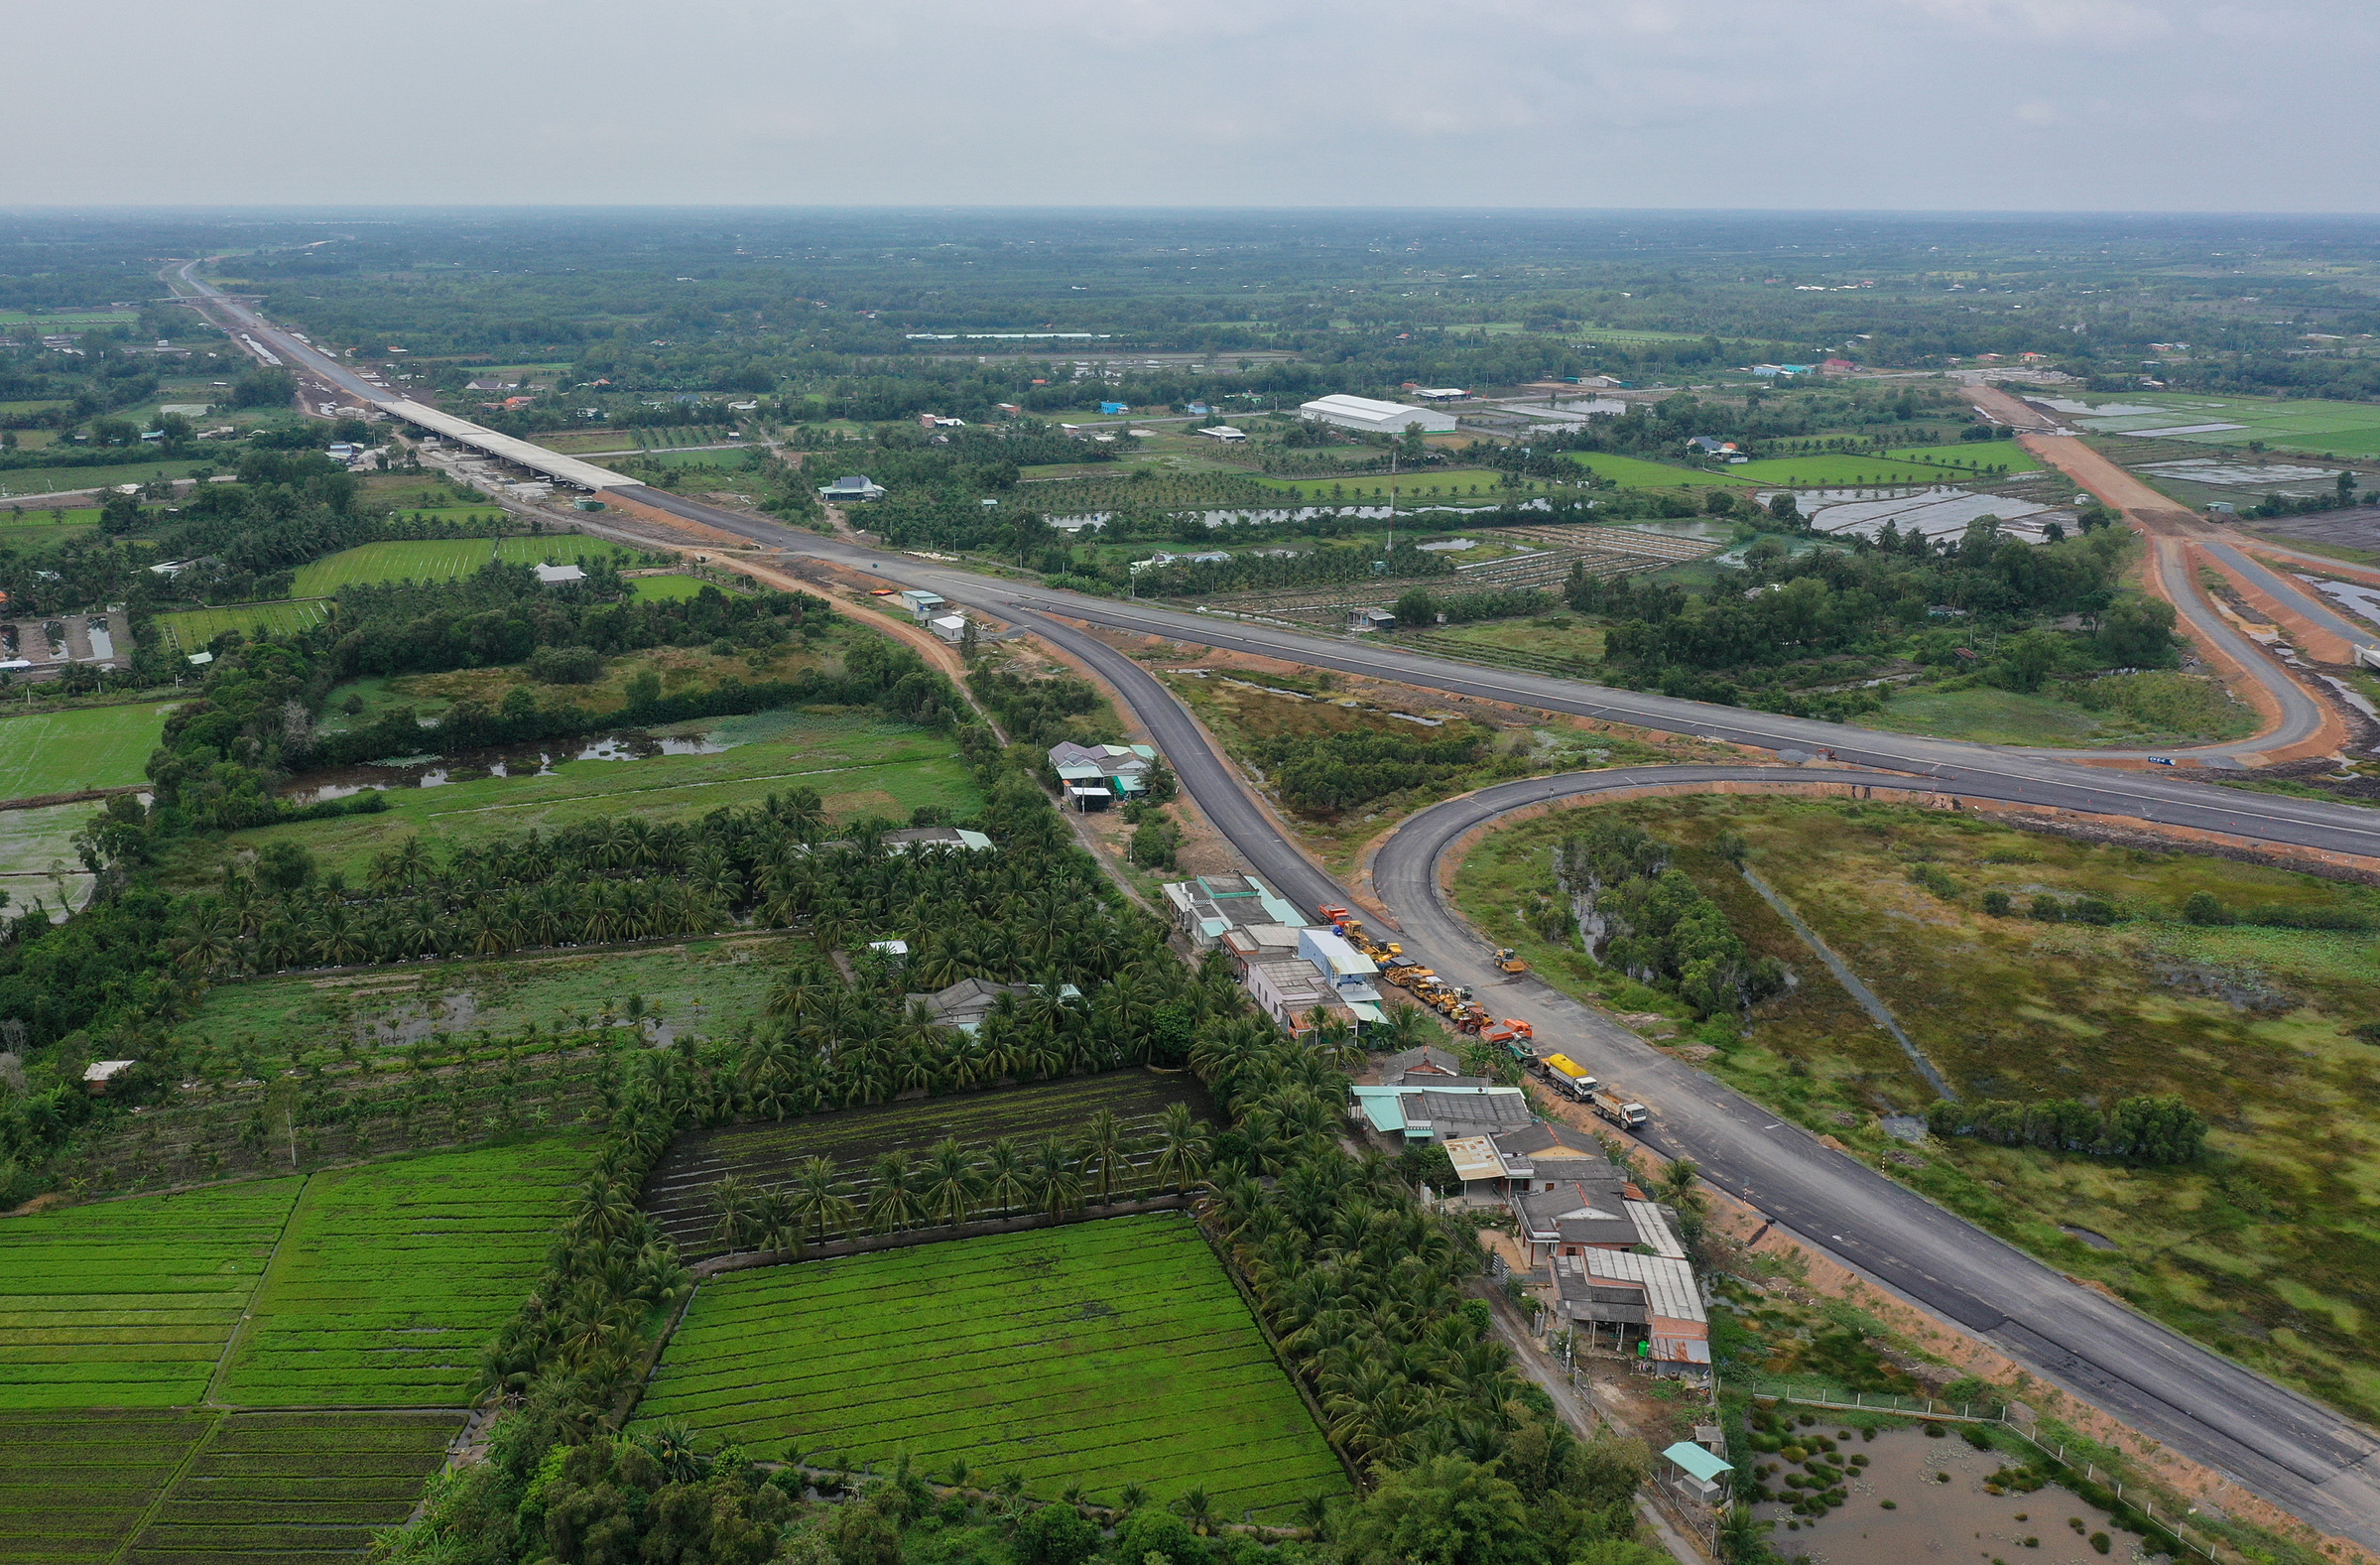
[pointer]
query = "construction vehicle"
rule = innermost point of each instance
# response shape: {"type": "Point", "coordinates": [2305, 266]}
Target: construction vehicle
{"type": "Point", "coordinates": [1514, 1036]}
{"type": "Point", "coordinates": [1618, 1109]}
{"type": "Point", "coordinates": [1509, 961]}
{"type": "Point", "coordinates": [1568, 1075]}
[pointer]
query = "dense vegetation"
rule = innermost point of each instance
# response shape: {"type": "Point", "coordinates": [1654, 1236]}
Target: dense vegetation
{"type": "Point", "coordinates": [1636, 914]}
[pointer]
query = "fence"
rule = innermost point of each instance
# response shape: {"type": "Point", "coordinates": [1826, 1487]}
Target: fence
{"type": "Point", "coordinates": [2005, 1418]}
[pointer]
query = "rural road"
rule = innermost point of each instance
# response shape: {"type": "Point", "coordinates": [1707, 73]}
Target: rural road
{"type": "Point", "coordinates": [2310, 1459]}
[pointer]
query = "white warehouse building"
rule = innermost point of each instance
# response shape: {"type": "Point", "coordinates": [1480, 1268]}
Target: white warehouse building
{"type": "Point", "coordinates": [1376, 418]}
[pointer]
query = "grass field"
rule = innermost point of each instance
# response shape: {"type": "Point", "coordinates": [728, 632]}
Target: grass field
{"type": "Point", "coordinates": [394, 1276]}
{"type": "Point", "coordinates": [2006, 456]}
{"type": "Point", "coordinates": [75, 1486]}
{"type": "Point", "coordinates": [69, 319]}
{"type": "Point", "coordinates": [38, 860]}
{"type": "Point", "coordinates": [1634, 472]}
{"type": "Point", "coordinates": [15, 516]}
{"type": "Point", "coordinates": [1101, 1354]}
{"type": "Point", "coordinates": [56, 481]}
{"type": "Point", "coordinates": [763, 1151]}
{"type": "Point", "coordinates": [2348, 428]}
{"type": "Point", "coordinates": [707, 986]}
{"type": "Point", "coordinates": [860, 765]}
{"type": "Point", "coordinates": [191, 629]}
{"type": "Point", "coordinates": [1834, 470]}
{"type": "Point", "coordinates": [2267, 1249]}
{"type": "Point", "coordinates": [295, 1487]}
{"type": "Point", "coordinates": [439, 559]}
{"type": "Point", "coordinates": [666, 588]}
{"type": "Point", "coordinates": [2143, 709]}
{"type": "Point", "coordinates": [130, 1303]}
{"type": "Point", "coordinates": [86, 748]}
{"type": "Point", "coordinates": [1462, 484]}
{"type": "Point", "coordinates": [728, 459]}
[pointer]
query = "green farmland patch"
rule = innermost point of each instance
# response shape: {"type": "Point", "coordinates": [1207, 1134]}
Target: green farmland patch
{"type": "Point", "coordinates": [1840, 471]}
{"type": "Point", "coordinates": [1462, 484]}
{"type": "Point", "coordinates": [295, 1487]}
{"type": "Point", "coordinates": [73, 1487]}
{"type": "Point", "coordinates": [2007, 455]}
{"type": "Point", "coordinates": [192, 628]}
{"type": "Point", "coordinates": [1102, 1353]}
{"type": "Point", "coordinates": [666, 588]}
{"type": "Point", "coordinates": [429, 559]}
{"type": "Point", "coordinates": [859, 767]}
{"type": "Point", "coordinates": [60, 516]}
{"type": "Point", "coordinates": [84, 748]}
{"type": "Point", "coordinates": [1634, 472]}
{"type": "Point", "coordinates": [130, 1303]}
{"type": "Point", "coordinates": [394, 1276]}
{"type": "Point", "coordinates": [677, 1194]}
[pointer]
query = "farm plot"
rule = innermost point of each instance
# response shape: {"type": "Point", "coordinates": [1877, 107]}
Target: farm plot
{"type": "Point", "coordinates": [666, 588]}
{"type": "Point", "coordinates": [429, 559]}
{"type": "Point", "coordinates": [677, 1193]}
{"type": "Point", "coordinates": [295, 1487]}
{"type": "Point", "coordinates": [74, 1486]}
{"type": "Point", "coordinates": [394, 1276]}
{"type": "Point", "coordinates": [129, 1303]}
{"type": "Point", "coordinates": [1102, 1353]}
{"type": "Point", "coordinates": [192, 628]}
{"type": "Point", "coordinates": [84, 748]}
{"type": "Point", "coordinates": [1634, 472]}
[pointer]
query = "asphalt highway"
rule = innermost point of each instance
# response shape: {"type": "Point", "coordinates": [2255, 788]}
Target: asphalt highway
{"type": "Point", "coordinates": [2273, 1442]}
{"type": "Point", "coordinates": [2277, 1444]}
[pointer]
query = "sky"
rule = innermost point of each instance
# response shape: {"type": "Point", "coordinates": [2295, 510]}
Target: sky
{"type": "Point", "coordinates": [1937, 106]}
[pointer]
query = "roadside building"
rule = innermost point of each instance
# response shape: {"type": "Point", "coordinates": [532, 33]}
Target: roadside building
{"type": "Point", "coordinates": [1418, 1065]}
{"type": "Point", "coordinates": [921, 604]}
{"type": "Point", "coordinates": [1207, 908]}
{"type": "Point", "coordinates": [1440, 1111]}
{"type": "Point", "coordinates": [1652, 1301]}
{"type": "Point", "coordinates": [854, 488]}
{"type": "Point", "coordinates": [1121, 770]}
{"type": "Point", "coordinates": [950, 627]}
{"type": "Point", "coordinates": [1550, 1153]}
{"type": "Point", "coordinates": [1373, 417]}
{"type": "Point", "coordinates": [1225, 434]}
{"type": "Point", "coordinates": [1566, 1218]}
{"type": "Point", "coordinates": [1290, 989]}
{"type": "Point", "coordinates": [1370, 620]}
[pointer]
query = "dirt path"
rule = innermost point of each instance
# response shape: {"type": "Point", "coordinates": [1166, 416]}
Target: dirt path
{"type": "Point", "coordinates": [2153, 512]}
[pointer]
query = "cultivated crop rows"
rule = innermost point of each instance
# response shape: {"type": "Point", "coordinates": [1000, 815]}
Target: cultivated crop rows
{"type": "Point", "coordinates": [295, 1489]}
{"type": "Point", "coordinates": [394, 1276]}
{"type": "Point", "coordinates": [676, 1194]}
{"type": "Point", "coordinates": [130, 1303]}
{"type": "Point", "coordinates": [74, 1486]}
{"type": "Point", "coordinates": [1102, 1353]}
{"type": "Point", "coordinates": [428, 559]}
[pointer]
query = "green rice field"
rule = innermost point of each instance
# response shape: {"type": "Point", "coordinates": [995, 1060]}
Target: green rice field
{"type": "Point", "coordinates": [75, 1486]}
{"type": "Point", "coordinates": [65, 480]}
{"type": "Point", "coordinates": [666, 588]}
{"type": "Point", "coordinates": [167, 1487]}
{"type": "Point", "coordinates": [1634, 472]}
{"type": "Point", "coordinates": [130, 1303]}
{"type": "Point", "coordinates": [2007, 455]}
{"type": "Point", "coordinates": [192, 628]}
{"type": "Point", "coordinates": [394, 1276]}
{"type": "Point", "coordinates": [2310, 425]}
{"type": "Point", "coordinates": [12, 516]}
{"type": "Point", "coordinates": [1101, 1354]}
{"type": "Point", "coordinates": [295, 1487]}
{"type": "Point", "coordinates": [69, 319]}
{"type": "Point", "coordinates": [1838, 470]}
{"type": "Point", "coordinates": [431, 560]}
{"type": "Point", "coordinates": [83, 747]}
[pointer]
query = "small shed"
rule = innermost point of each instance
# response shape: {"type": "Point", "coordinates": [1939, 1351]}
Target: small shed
{"type": "Point", "coordinates": [1371, 619]}
{"type": "Point", "coordinates": [558, 575]}
{"type": "Point", "coordinates": [923, 606]}
{"type": "Point", "coordinates": [97, 1075]}
{"type": "Point", "coordinates": [950, 627]}
{"type": "Point", "coordinates": [1699, 1472]}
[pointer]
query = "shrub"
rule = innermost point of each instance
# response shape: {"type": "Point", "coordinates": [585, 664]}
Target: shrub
{"type": "Point", "coordinates": [565, 665]}
{"type": "Point", "coordinates": [2048, 909]}
{"type": "Point", "coordinates": [2204, 907]}
{"type": "Point", "coordinates": [1998, 903]}
{"type": "Point", "coordinates": [1056, 1535]}
{"type": "Point", "coordinates": [2101, 1542]}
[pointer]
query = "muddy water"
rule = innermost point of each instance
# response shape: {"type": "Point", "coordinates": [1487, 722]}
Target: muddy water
{"type": "Point", "coordinates": [471, 765]}
{"type": "Point", "coordinates": [1952, 1523]}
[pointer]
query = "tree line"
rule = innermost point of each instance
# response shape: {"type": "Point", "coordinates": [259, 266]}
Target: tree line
{"type": "Point", "coordinates": [1637, 913]}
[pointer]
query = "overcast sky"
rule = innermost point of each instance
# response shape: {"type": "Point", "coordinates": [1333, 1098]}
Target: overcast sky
{"type": "Point", "coordinates": [1935, 104]}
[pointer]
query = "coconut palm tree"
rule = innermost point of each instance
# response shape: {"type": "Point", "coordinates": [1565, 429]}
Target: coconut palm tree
{"type": "Point", "coordinates": [819, 1199]}
{"type": "Point", "coordinates": [1104, 1147]}
{"type": "Point", "coordinates": [208, 943]}
{"type": "Point", "coordinates": [950, 1186]}
{"type": "Point", "coordinates": [893, 1195]}
{"type": "Point", "coordinates": [1007, 1182]}
{"type": "Point", "coordinates": [735, 1208]}
{"type": "Point", "coordinates": [1183, 1146]}
{"type": "Point", "coordinates": [1056, 1181]}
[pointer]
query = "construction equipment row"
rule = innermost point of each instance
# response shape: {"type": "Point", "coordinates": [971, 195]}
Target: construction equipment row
{"type": "Point", "coordinates": [1467, 1015]}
